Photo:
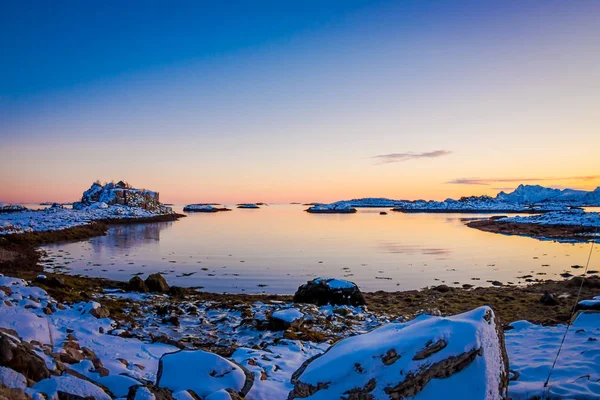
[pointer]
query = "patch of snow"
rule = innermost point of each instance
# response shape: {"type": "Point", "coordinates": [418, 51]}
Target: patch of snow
{"type": "Point", "coordinates": [290, 315]}
{"type": "Point", "coordinates": [337, 284]}
{"type": "Point", "coordinates": [12, 379]}
{"type": "Point", "coordinates": [70, 384]}
{"type": "Point", "coordinates": [532, 348]}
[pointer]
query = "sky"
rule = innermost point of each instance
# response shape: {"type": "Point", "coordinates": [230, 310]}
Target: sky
{"type": "Point", "coordinates": [298, 100]}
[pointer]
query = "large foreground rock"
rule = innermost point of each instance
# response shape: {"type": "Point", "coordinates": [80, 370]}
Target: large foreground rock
{"type": "Point", "coordinates": [322, 291]}
{"type": "Point", "coordinates": [20, 357]}
{"type": "Point", "coordinates": [203, 373]}
{"type": "Point", "coordinates": [460, 357]}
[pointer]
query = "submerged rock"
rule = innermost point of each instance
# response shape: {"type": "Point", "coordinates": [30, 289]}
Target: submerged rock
{"type": "Point", "coordinates": [157, 283]}
{"type": "Point", "coordinates": [203, 373]}
{"type": "Point", "coordinates": [462, 357]}
{"type": "Point", "coordinates": [322, 291]}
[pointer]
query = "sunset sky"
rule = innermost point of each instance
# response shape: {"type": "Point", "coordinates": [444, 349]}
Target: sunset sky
{"type": "Point", "coordinates": [298, 101]}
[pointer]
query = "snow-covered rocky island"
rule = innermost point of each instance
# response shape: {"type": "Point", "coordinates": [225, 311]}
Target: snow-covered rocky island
{"type": "Point", "coordinates": [146, 340]}
{"type": "Point", "coordinates": [109, 203]}
{"type": "Point", "coordinates": [571, 225]}
{"type": "Point", "coordinates": [204, 208]}
{"type": "Point", "coordinates": [333, 208]}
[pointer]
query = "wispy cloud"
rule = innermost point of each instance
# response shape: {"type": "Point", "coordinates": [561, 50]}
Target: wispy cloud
{"type": "Point", "coordinates": [399, 157]}
{"type": "Point", "coordinates": [489, 181]}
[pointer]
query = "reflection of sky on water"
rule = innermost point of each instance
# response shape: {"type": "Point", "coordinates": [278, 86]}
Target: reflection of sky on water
{"type": "Point", "coordinates": [277, 248]}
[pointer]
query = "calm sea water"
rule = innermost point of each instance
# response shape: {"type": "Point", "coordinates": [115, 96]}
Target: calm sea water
{"type": "Point", "coordinates": [278, 247]}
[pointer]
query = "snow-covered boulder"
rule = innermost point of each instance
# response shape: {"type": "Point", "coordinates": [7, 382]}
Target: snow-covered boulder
{"type": "Point", "coordinates": [202, 372]}
{"type": "Point", "coordinates": [461, 356]}
{"type": "Point", "coordinates": [282, 319]}
{"type": "Point", "coordinates": [333, 208]}
{"type": "Point", "coordinates": [323, 291]}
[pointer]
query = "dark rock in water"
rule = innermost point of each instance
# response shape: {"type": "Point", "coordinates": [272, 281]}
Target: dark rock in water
{"type": "Point", "coordinates": [137, 284]}
{"type": "Point", "coordinates": [442, 288]}
{"type": "Point", "coordinates": [323, 291]}
{"type": "Point", "coordinates": [497, 283]}
{"type": "Point", "coordinates": [100, 312]}
{"type": "Point", "coordinates": [548, 299]}
{"type": "Point", "coordinates": [20, 357]}
{"type": "Point", "coordinates": [566, 275]}
{"type": "Point", "coordinates": [383, 213]}
{"type": "Point", "coordinates": [157, 283]}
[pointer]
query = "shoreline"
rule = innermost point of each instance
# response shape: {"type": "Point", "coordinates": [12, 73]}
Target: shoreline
{"type": "Point", "coordinates": [20, 255]}
{"type": "Point", "coordinates": [536, 231]}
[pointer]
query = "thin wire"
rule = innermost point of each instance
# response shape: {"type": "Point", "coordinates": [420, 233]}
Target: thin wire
{"type": "Point", "coordinates": [572, 312]}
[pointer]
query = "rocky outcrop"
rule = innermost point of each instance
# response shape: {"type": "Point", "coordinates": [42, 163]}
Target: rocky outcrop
{"type": "Point", "coordinates": [426, 358]}
{"type": "Point", "coordinates": [203, 373]}
{"type": "Point", "coordinates": [157, 283]}
{"type": "Point", "coordinates": [322, 291]}
{"type": "Point", "coordinates": [20, 357]}
{"type": "Point", "coordinates": [120, 193]}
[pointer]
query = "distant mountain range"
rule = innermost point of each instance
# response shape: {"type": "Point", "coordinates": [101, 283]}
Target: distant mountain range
{"type": "Point", "coordinates": [525, 198]}
{"type": "Point", "coordinates": [530, 194]}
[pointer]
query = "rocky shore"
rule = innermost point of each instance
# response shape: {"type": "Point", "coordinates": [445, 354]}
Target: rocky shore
{"type": "Point", "coordinates": [573, 225]}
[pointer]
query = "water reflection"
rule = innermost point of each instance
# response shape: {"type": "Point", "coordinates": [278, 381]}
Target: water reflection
{"type": "Point", "coordinates": [277, 248]}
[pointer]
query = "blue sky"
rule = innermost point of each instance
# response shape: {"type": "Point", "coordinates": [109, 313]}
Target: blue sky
{"type": "Point", "coordinates": [283, 100]}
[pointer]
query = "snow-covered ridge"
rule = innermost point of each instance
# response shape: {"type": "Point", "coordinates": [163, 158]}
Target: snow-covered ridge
{"type": "Point", "coordinates": [122, 202]}
{"type": "Point", "coordinates": [54, 219]}
{"type": "Point", "coordinates": [572, 217]}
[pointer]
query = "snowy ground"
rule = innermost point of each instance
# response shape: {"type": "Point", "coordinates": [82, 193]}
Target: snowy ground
{"type": "Point", "coordinates": [130, 357]}
{"type": "Point", "coordinates": [58, 218]}
{"type": "Point", "coordinates": [571, 217]}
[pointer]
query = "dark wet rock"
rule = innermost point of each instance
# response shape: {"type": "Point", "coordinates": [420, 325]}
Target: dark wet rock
{"type": "Point", "coordinates": [157, 283]}
{"type": "Point", "coordinates": [20, 357]}
{"type": "Point", "coordinates": [442, 288]}
{"type": "Point", "coordinates": [497, 283]}
{"type": "Point", "coordinates": [382, 213]}
{"type": "Point", "coordinates": [53, 281]}
{"type": "Point", "coordinates": [548, 299]}
{"type": "Point", "coordinates": [322, 291]}
{"type": "Point", "coordinates": [176, 291]}
{"type": "Point", "coordinates": [137, 284]}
